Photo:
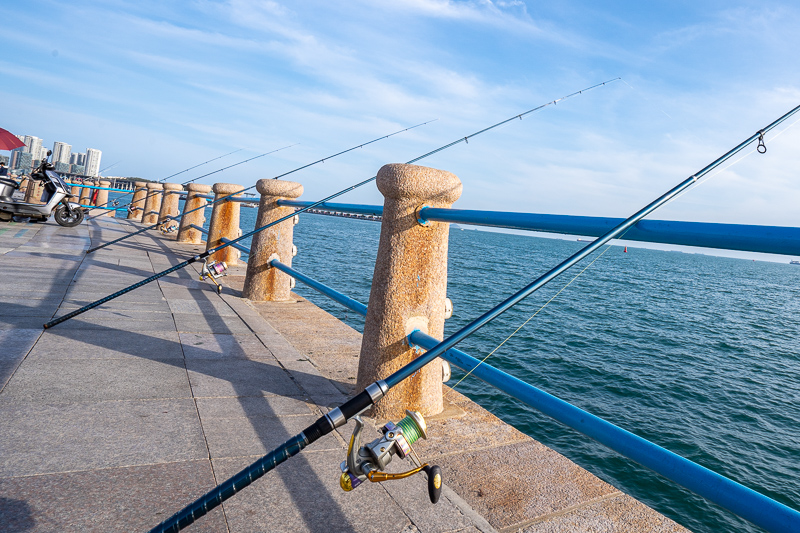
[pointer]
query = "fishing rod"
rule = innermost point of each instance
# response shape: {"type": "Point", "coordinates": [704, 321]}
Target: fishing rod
{"type": "Point", "coordinates": [207, 253]}
{"type": "Point", "coordinates": [377, 390]}
{"type": "Point", "coordinates": [160, 181]}
{"type": "Point", "coordinates": [224, 198]}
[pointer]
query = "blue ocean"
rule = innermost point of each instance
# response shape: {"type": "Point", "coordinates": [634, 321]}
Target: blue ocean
{"type": "Point", "coordinates": [696, 353]}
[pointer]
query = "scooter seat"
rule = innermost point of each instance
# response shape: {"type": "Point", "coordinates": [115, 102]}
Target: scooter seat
{"type": "Point", "coordinates": [9, 182]}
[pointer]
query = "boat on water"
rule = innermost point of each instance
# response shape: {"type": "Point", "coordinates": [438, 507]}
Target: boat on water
{"type": "Point", "coordinates": [794, 262]}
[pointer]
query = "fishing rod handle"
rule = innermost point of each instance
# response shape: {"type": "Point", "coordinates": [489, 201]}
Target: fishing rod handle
{"type": "Point", "coordinates": [222, 492]}
{"type": "Point", "coordinates": [117, 294]}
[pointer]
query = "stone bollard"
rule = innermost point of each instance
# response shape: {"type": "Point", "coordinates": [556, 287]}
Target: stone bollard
{"type": "Point", "coordinates": [136, 209]}
{"type": "Point", "coordinates": [102, 199]}
{"type": "Point", "coordinates": [186, 233]}
{"type": "Point", "coordinates": [86, 192]}
{"type": "Point", "coordinates": [152, 203]}
{"type": "Point", "coordinates": [75, 191]}
{"type": "Point", "coordinates": [263, 283]}
{"type": "Point", "coordinates": [408, 287]}
{"type": "Point", "coordinates": [169, 206]}
{"type": "Point", "coordinates": [224, 223]}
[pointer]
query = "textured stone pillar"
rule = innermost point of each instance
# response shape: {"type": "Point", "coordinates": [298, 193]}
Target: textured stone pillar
{"type": "Point", "coordinates": [169, 206]}
{"type": "Point", "coordinates": [86, 193]}
{"type": "Point", "coordinates": [408, 287]}
{"type": "Point", "coordinates": [224, 223]}
{"type": "Point", "coordinates": [102, 199]}
{"type": "Point", "coordinates": [186, 233]}
{"type": "Point", "coordinates": [75, 190]}
{"type": "Point", "coordinates": [136, 209]}
{"type": "Point", "coordinates": [263, 283]}
{"type": "Point", "coordinates": [152, 203]}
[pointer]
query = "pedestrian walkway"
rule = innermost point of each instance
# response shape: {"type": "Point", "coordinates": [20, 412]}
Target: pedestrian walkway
{"type": "Point", "coordinates": [117, 418]}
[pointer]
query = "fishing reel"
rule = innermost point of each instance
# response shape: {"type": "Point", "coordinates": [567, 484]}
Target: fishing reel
{"type": "Point", "coordinates": [213, 271]}
{"type": "Point", "coordinates": [368, 461]}
{"type": "Point", "coordinates": [169, 226]}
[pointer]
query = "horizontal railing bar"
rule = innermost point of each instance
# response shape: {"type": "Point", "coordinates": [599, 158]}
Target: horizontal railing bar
{"type": "Point", "coordinates": [333, 294]}
{"type": "Point", "coordinates": [199, 228]}
{"type": "Point", "coordinates": [747, 238]}
{"type": "Point", "coordinates": [236, 245]}
{"type": "Point", "coordinates": [747, 503]}
{"type": "Point", "coordinates": [357, 209]}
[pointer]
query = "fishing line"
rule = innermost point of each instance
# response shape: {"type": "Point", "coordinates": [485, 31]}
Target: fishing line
{"type": "Point", "coordinates": [701, 182]}
{"type": "Point", "coordinates": [204, 175]}
{"type": "Point", "coordinates": [287, 217]}
{"type": "Point", "coordinates": [530, 318]}
{"type": "Point", "coordinates": [164, 179]}
{"type": "Point", "coordinates": [223, 198]}
{"type": "Point", "coordinates": [373, 393]}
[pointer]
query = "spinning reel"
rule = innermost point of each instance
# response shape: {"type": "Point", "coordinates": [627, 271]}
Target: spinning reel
{"type": "Point", "coordinates": [366, 462]}
{"type": "Point", "coordinates": [213, 271]}
{"type": "Point", "coordinates": [169, 226]}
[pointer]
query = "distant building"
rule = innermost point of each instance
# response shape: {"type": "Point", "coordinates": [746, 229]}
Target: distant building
{"type": "Point", "coordinates": [77, 169]}
{"type": "Point", "coordinates": [77, 158]}
{"type": "Point", "coordinates": [92, 164]}
{"type": "Point", "coordinates": [61, 153]}
{"type": "Point", "coordinates": [22, 160]}
{"type": "Point", "coordinates": [61, 167]}
{"type": "Point", "coordinates": [33, 145]}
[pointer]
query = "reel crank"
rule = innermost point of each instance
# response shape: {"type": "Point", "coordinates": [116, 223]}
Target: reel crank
{"type": "Point", "coordinates": [213, 271]}
{"type": "Point", "coordinates": [368, 461]}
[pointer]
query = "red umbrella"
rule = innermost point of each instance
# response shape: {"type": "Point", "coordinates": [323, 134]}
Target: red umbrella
{"type": "Point", "coordinates": [9, 141]}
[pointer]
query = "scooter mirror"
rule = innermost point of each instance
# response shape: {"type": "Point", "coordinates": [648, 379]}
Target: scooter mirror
{"type": "Point", "coordinates": [49, 153]}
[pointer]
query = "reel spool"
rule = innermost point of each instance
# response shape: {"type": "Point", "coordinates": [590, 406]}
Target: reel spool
{"type": "Point", "coordinates": [368, 461]}
{"type": "Point", "coordinates": [169, 227]}
{"type": "Point", "coordinates": [213, 271]}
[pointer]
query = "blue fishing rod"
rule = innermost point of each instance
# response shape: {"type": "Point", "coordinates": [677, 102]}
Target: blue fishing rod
{"type": "Point", "coordinates": [224, 198]}
{"type": "Point", "coordinates": [207, 253]}
{"type": "Point", "coordinates": [785, 521]}
{"type": "Point", "coordinates": [159, 181]}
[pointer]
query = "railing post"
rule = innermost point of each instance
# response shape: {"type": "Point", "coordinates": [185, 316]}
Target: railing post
{"type": "Point", "coordinates": [224, 223]}
{"type": "Point", "coordinates": [263, 283]}
{"type": "Point", "coordinates": [136, 209]}
{"type": "Point", "coordinates": [152, 203]}
{"type": "Point", "coordinates": [408, 287]}
{"type": "Point", "coordinates": [169, 205]}
{"type": "Point", "coordinates": [186, 233]}
{"type": "Point", "coordinates": [86, 193]}
{"type": "Point", "coordinates": [102, 199]}
{"type": "Point", "coordinates": [75, 190]}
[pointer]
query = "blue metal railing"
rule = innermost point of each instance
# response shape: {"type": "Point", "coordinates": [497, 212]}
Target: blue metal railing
{"type": "Point", "coordinates": [238, 246]}
{"type": "Point", "coordinates": [735, 497]}
{"type": "Point", "coordinates": [746, 238]}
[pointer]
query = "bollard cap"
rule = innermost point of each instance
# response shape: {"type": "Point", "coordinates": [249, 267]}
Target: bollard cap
{"type": "Point", "coordinates": [198, 187]}
{"type": "Point", "coordinates": [105, 183]}
{"type": "Point", "coordinates": [155, 185]}
{"type": "Point", "coordinates": [227, 188]}
{"type": "Point", "coordinates": [279, 188]}
{"type": "Point", "coordinates": [140, 184]}
{"type": "Point", "coordinates": [173, 187]}
{"type": "Point", "coordinates": [404, 182]}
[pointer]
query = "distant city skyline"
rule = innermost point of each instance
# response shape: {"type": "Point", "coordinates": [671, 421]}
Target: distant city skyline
{"type": "Point", "coordinates": [63, 158]}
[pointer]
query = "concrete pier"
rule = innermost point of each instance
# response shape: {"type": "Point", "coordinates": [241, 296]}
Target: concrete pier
{"type": "Point", "coordinates": [224, 223]}
{"type": "Point", "coordinates": [169, 205]}
{"type": "Point", "coordinates": [192, 214]}
{"type": "Point", "coordinates": [136, 209]}
{"type": "Point", "coordinates": [118, 418]}
{"type": "Point", "coordinates": [152, 203]}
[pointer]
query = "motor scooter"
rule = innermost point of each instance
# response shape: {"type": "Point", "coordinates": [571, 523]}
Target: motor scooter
{"type": "Point", "coordinates": [56, 199]}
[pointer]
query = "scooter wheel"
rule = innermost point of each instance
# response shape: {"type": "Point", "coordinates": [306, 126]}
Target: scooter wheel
{"type": "Point", "coordinates": [67, 219]}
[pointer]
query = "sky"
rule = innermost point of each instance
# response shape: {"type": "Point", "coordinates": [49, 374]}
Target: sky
{"type": "Point", "coordinates": [163, 86]}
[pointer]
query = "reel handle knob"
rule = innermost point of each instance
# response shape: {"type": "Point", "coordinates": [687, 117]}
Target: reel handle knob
{"type": "Point", "coordinates": [434, 482]}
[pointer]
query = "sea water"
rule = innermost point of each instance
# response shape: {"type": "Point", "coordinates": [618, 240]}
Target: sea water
{"type": "Point", "coordinates": [698, 354]}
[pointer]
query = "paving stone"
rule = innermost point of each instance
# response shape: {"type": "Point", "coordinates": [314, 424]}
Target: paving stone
{"type": "Point", "coordinates": [550, 483]}
{"type": "Point", "coordinates": [214, 346]}
{"type": "Point", "coordinates": [93, 502]}
{"type": "Point", "coordinates": [85, 380]}
{"type": "Point", "coordinates": [50, 438]}
{"type": "Point", "coordinates": [67, 343]}
{"type": "Point", "coordinates": [17, 343]}
{"type": "Point", "coordinates": [201, 306]}
{"type": "Point", "coordinates": [303, 495]}
{"type": "Point", "coordinates": [234, 378]}
{"type": "Point", "coordinates": [23, 322]}
{"type": "Point", "coordinates": [252, 407]}
{"type": "Point", "coordinates": [615, 514]}
{"type": "Point", "coordinates": [191, 323]}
